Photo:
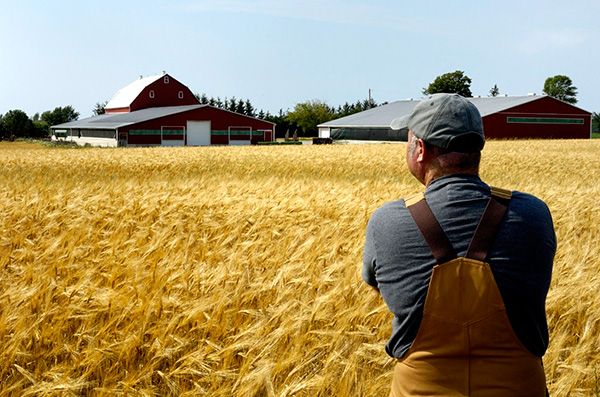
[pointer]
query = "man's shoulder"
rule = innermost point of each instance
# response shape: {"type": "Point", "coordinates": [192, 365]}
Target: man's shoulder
{"type": "Point", "coordinates": [390, 212]}
{"type": "Point", "coordinates": [529, 214]}
{"type": "Point", "coordinates": [528, 203]}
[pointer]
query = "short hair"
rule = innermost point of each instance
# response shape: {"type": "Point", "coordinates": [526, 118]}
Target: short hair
{"type": "Point", "coordinates": [448, 160]}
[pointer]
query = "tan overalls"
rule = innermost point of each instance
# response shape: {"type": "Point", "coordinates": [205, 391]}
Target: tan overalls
{"type": "Point", "coordinates": [465, 345]}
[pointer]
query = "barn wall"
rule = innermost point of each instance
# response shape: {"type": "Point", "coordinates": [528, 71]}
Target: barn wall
{"type": "Point", "coordinates": [543, 118]}
{"type": "Point", "coordinates": [225, 126]}
{"type": "Point", "coordinates": [165, 94]}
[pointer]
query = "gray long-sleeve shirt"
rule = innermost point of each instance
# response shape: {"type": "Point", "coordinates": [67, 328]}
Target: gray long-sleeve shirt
{"type": "Point", "coordinates": [398, 261]}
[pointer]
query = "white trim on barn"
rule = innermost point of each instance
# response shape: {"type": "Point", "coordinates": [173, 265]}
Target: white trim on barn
{"type": "Point", "coordinates": [239, 142]}
{"type": "Point", "coordinates": [172, 142]}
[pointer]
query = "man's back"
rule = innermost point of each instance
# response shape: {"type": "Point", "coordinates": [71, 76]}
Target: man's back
{"type": "Point", "coordinates": [399, 263]}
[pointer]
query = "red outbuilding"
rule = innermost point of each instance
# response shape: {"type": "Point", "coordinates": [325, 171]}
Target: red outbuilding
{"type": "Point", "coordinates": [534, 117]}
{"type": "Point", "coordinates": [504, 117]}
{"type": "Point", "coordinates": [159, 110]}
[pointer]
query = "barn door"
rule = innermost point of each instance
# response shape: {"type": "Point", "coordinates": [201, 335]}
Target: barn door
{"type": "Point", "coordinates": [198, 133]}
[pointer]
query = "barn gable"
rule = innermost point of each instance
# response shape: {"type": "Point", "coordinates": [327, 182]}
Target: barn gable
{"type": "Point", "coordinates": [152, 91]}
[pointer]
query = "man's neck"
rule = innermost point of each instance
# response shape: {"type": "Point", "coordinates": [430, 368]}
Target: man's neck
{"type": "Point", "coordinates": [432, 175]}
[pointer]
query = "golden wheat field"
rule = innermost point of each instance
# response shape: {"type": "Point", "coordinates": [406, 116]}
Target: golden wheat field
{"type": "Point", "coordinates": [235, 271]}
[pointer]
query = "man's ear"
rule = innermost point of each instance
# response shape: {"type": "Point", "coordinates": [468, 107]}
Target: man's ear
{"type": "Point", "coordinates": [421, 149]}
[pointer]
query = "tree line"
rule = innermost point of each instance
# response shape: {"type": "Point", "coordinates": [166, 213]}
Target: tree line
{"type": "Point", "coordinates": [17, 124]}
{"type": "Point", "coordinates": [301, 121]}
{"type": "Point", "coordinates": [560, 86]}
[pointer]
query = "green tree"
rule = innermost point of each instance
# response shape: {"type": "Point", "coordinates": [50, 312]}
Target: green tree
{"type": "Point", "coordinates": [39, 129]}
{"type": "Point", "coordinates": [99, 108]}
{"type": "Point", "coordinates": [60, 115]}
{"type": "Point", "coordinates": [452, 82]}
{"type": "Point", "coordinates": [369, 104]}
{"type": "Point", "coordinates": [249, 109]}
{"type": "Point", "coordinates": [16, 123]}
{"type": "Point", "coordinates": [282, 124]}
{"type": "Point", "coordinates": [595, 122]}
{"type": "Point", "coordinates": [1, 129]}
{"type": "Point", "coordinates": [561, 87]}
{"type": "Point", "coordinates": [239, 107]}
{"type": "Point", "coordinates": [231, 104]}
{"type": "Point", "coordinates": [307, 115]}
{"type": "Point", "coordinates": [494, 91]}
{"type": "Point", "coordinates": [203, 99]}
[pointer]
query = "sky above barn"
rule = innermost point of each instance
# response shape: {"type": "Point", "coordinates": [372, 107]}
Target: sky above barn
{"type": "Point", "coordinates": [280, 52]}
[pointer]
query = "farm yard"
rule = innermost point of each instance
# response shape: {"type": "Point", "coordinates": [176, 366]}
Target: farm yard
{"type": "Point", "coordinates": [235, 271]}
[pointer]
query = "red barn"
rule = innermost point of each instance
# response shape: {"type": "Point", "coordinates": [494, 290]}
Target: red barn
{"type": "Point", "coordinates": [159, 110]}
{"type": "Point", "coordinates": [518, 117]}
{"type": "Point", "coordinates": [533, 117]}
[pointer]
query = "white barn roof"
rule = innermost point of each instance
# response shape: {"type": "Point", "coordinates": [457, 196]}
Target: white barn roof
{"type": "Point", "coordinates": [382, 116]}
{"type": "Point", "coordinates": [127, 94]}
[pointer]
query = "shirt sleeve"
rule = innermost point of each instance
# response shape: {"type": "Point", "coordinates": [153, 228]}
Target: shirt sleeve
{"type": "Point", "coordinates": [369, 256]}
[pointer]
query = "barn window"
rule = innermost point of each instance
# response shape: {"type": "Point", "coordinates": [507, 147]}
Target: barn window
{"type": "Point", "coordinates": [544, 120]}
{"type": "Point", "coordinates": [166, 79]}
{"type": "Point", "coordinates": [151, 93]}
{"type": "Point", "coordinates": [180, 95]}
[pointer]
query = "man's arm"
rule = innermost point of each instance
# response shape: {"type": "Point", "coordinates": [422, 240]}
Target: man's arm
{"type": "Point", "coordinates": [370, 257]}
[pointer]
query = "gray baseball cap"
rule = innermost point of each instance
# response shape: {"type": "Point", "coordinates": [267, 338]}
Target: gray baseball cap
{"type": "Point", "coordinates": [448, 121]}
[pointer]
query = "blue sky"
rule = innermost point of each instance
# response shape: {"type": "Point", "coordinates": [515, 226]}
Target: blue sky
{"type": "Point", "coordinates": [279, 53]}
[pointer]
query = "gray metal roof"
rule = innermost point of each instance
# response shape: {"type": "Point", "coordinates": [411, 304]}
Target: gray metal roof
{"type": "Point", "coordinates": [490, 105]}
{"type": "Point", "coordinates": [117, 120]}
{"type": "Point", "coordinates": [382, 116]}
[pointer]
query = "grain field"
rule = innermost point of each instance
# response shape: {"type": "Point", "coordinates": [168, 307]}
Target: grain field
{"type": "Point", "coordinates": [235, 271]}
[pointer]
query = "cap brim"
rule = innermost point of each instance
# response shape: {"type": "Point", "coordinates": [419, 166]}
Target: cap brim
{"type": "Point", "coordinates": [400, 123]}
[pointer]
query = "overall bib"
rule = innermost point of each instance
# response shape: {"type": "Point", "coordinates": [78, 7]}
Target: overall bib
{"type": "Point", "coordinates": [465, 345]}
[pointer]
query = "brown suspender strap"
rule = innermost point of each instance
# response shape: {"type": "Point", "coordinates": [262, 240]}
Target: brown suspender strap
{"type": "Point", "coordinates": [431, 230]}
{"type": "Point", "coordinates": [488, 224]}
{"type": "Point", "coordinates": [484, 234]}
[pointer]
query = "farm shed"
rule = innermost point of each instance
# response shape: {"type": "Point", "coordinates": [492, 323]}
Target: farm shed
{"type": "Point", "coordinates": [531, 116]}
{"type": "Point", "coordinates": [160, 111]}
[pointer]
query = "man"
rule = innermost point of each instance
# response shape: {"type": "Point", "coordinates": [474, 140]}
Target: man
{"type": "Point", "coordinates": [464, 268]}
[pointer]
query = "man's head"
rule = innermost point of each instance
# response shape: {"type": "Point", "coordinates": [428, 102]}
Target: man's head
{"type": "Point", "coordinates": [445, 136]}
